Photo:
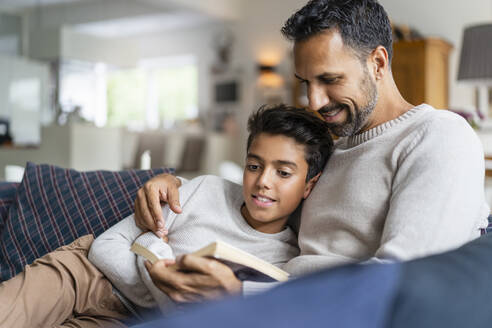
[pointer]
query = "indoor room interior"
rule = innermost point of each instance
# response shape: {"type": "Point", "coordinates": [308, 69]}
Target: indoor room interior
{"type": "Point", "coordinates": [97, 97]}
{"type": "Point", "coordinates": [128, 84]}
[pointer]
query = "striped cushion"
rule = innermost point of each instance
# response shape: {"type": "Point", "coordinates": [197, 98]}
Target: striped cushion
{"type": "Point", "coordinates": [7, 194]}
{"type": "Point", "coordinates": [54, 206]}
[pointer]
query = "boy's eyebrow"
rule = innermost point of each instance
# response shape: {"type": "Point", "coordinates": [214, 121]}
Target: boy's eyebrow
{"type": "Point", "coordinates": [279, 162]}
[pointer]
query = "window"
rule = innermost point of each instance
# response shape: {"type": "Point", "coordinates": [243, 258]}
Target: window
{"type": "Point", "coordinates": [157, 93]}
{"type": "Point", "coordinates": [126, 98]}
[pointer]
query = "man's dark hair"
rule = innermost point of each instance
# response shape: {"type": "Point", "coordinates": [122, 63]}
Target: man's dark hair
{"type": "Point", "coordinates": [363, 24]}
{"type": "Point", "coordinates": [296, 123]}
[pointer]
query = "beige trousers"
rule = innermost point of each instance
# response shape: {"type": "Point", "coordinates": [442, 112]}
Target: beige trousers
{"type": "Point", "coordinates": [61, 289]}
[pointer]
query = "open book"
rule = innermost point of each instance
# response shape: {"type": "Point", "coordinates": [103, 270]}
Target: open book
{"type": "Point", "coordinates": [244, 265]}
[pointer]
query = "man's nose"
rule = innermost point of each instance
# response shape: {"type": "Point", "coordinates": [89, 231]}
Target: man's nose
{"type": "Point", "coordinates": [317, 98]}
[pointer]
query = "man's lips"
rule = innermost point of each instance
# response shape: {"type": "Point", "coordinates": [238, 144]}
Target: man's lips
{"type": "Point", "coordinates": [262, 201]}
{"type": "Point", "coordinates": [331, 116]}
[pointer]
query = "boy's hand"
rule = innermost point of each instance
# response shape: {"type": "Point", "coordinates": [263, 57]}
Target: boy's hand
{"type": "Point", "coordinates": [148, 211]}
{"type": "Point", "coordinates": [192, 279]}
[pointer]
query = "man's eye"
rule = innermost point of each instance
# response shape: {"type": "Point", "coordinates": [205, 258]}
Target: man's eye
{"type": "Point", "coordinates": [329, 81]}
{"type": "Point", "coordinates": [284, 174]}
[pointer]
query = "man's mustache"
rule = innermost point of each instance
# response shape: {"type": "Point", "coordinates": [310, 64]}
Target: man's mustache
{"type": "Point", "coordinates": [331, 108]}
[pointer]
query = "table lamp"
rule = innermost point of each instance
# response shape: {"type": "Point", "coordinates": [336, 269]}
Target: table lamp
{"type": "Point", "coordinates": [476, 62]}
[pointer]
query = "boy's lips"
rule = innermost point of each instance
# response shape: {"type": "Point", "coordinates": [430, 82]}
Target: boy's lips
{"type": "Point", "coordinates": [263, 201]}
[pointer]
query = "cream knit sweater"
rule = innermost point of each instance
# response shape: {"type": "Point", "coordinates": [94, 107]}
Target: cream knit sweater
{"type": "Point", "coordinates": [410, 187]}
{"type": "Point", "coordinates": [211, 211]}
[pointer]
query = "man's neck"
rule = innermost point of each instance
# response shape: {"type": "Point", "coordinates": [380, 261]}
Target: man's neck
{"type": "Point", "coordinates": [390, 105]}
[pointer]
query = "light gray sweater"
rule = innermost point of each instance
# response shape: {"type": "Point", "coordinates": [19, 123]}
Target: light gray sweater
{"type": "Point", "coordinates": [410, 187]}
{"type": "Point", "coordinates": [211, 211]}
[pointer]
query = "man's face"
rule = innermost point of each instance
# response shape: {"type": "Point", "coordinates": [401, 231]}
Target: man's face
{"type": "Point", "coordinates": [274, 181]}
{"type": "Point", "coordinates": [339, 86]}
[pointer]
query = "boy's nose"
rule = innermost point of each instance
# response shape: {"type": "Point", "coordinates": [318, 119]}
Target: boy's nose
{"type": "Point", "coordinates": [264, 180]}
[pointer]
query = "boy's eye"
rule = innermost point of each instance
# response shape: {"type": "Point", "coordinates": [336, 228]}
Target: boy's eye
{"type": "Point", "coordinates": [252, 167]}
{"type": "Point", "coordinates": [284, 174]}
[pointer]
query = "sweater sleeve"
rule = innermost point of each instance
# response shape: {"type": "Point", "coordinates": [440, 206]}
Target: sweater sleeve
{"type": "Point", "coordinates": [111, 254]}
{"type": "Point", "coordinates": [251, 288]}
{"type": "Point", "coordinates": [163, 251]}
{"type": "Point", "coordinates": [437, 193]}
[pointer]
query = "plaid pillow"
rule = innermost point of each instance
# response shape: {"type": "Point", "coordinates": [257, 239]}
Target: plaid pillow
{"type": "Point", "coordinates": [7, 195]}
{"type": "Point", "coordinates": [54, 206]}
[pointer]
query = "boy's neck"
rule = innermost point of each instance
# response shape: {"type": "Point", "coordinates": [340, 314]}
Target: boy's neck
{"type": "Point", "coordinates": [272, 227]}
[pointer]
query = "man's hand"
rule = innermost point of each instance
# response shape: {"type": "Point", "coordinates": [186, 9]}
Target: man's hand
{"type": "Point", "coordinates": [194, 279]}
{"type": "Point", "coordinates": [148, 211]}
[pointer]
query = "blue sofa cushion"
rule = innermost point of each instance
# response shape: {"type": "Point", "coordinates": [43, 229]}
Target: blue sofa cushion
{"type": "Point", "coordinates": [54, 206]}
{"type": "Point", "coordinates": [7, 195]}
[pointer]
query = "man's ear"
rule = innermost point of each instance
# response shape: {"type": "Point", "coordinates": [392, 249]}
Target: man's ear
{"type": "Point", "coordinates": [310, 185]}
{"type": "Point", "coordinates": [378, 62]}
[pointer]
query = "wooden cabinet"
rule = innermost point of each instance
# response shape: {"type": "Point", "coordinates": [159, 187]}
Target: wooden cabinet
{"type": "Point", "coordinates": [421, 71]}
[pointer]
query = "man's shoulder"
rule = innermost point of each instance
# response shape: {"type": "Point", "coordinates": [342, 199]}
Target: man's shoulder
{"type": "Point", "coordinates": [443, 131]}
{"type": "Point", "coordinates": [443, 119]}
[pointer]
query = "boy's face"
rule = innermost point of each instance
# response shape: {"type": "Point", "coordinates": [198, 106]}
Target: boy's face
{"type": "Point", "coordinates": [274, 181]}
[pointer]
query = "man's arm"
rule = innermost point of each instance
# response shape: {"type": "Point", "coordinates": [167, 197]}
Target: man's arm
{"type": "Point", "coordinates": [437, 194]}
{"type": "Point", "coordinates": [148, 210]}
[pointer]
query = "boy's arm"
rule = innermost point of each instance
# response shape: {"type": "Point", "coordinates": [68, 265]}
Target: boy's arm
{"type": "Point", "coordinates": [111, 254]}
{"type": "Point", "coordinates": [162, 251]}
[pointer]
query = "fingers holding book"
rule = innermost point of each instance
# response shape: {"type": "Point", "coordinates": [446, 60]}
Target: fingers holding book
{"type": "Point", "coordinates": [193, 278]}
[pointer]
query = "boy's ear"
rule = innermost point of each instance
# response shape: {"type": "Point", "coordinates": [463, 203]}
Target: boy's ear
{"type": "Point", "coordinates": [310, 185]}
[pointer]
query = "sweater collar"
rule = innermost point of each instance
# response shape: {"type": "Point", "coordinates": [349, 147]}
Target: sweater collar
{"type": "Point", "coordinates": [357, 139]}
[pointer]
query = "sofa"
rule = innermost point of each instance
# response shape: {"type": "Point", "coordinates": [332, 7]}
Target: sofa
{"type": "Point", "coordinates": [53, 206]}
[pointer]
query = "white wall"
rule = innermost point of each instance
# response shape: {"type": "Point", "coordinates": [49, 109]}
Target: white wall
{"type": "Point", "coordinates": [261, 40]}
{"type": "Point", "coordinates": [84, 47]}
{"type": "Point", "coordinates": [262, 20]}
{"type": "Point", "coordinates": [445, 19]}
{"type": "Point", "coordinates": [195, 41]}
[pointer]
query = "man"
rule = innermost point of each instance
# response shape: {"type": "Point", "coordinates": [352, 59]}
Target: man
{"type": "Point", "coordinates": [404, 180]}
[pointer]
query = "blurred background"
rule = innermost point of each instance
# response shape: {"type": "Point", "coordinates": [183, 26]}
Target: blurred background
{"type": "Point", "coordinates": [117, 84]}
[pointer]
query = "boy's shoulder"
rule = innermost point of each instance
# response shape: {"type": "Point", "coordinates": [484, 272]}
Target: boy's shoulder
{"type": "Point", "coordinates": [214, 183]}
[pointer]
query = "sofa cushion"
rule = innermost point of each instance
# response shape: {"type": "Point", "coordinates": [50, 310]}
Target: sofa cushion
{"type": "Point", "coordinates": [7, 195]}
{"type": "Point", "coordinates": [54, 206]}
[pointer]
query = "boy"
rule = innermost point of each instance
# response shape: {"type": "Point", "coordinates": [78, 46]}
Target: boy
{"type": "Point", "coordinates": [287, 150]}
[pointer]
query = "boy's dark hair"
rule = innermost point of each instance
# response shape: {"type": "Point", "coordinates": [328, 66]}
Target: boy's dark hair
{"type": "Point", "coordinates": [297, 123]}
{"type": "Point", "coordinates": [363, 24]}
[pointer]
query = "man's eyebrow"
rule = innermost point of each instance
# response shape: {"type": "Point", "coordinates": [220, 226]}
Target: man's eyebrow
{"type": "Point", "coordinates": [299, 78]}
{"type": "Point", "coordinates": [325, 75]}
{"type": "Point", "coordinates": [329, 75]}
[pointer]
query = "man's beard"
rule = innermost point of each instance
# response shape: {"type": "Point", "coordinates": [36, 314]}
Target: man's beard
{"type": "Point", "coordinates": [356, 119]}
